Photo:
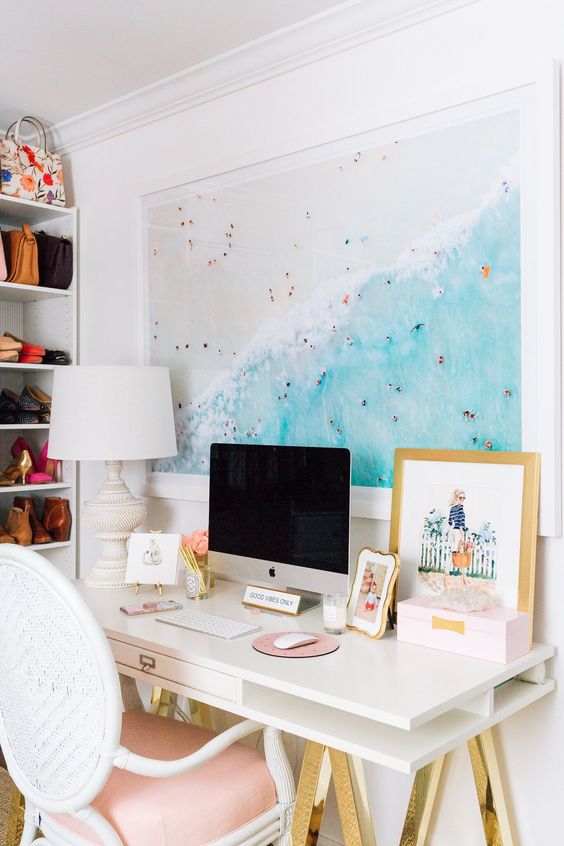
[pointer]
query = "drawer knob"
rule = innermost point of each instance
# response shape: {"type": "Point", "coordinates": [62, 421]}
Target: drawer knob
{"type": "Point", "coordinates": [147, 663]}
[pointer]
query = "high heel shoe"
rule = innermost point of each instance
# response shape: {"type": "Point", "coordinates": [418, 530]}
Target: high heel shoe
{"type": "Point", "coordinates": [19, 467]}
{"type": "Point", "coordinates": [18, 447]}
{"type": "Point", "coordinates": [5, 480]}
{"type": "Point", "coordinates": [38, 530]}
{"type": "Point", "coordinates": [17, 525]}
{"type": "Point", "coordinates": [38, 474]}
{"type": "Point", "coordinates": [47, 465]}
{"type": "Point", "coordinates": [57, 518]}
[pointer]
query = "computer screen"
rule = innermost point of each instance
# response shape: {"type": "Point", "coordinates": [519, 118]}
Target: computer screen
{"type": "Point", "coordinates": [286, 505]}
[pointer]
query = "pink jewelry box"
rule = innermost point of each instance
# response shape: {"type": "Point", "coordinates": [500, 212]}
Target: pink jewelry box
{"type": "Point", "coordinates": [499, 634]}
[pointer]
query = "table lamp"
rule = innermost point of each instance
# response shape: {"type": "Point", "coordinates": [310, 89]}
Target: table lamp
{"type": "Point", "coordinates": [112, 413]}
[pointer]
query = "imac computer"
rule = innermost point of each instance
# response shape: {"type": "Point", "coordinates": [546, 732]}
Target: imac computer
{"type": "Point", "coordinates": [279, 516]}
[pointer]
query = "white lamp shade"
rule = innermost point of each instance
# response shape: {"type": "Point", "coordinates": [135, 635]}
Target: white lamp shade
{"type": "Point", "coordinates": [112, 412]}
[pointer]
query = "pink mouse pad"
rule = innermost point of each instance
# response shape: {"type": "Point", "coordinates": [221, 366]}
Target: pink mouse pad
{"type": "Point", "coordinates": [323, 646]}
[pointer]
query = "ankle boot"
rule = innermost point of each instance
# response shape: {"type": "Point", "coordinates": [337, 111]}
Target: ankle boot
{"type": "Point", "coordinates": [5, 537]}
{"type": "Point", "coordinates": [39, 532]}
{"type": "Point", "coordinates": [57, 518]}
{"type": "Point", "coordinates": [18, 526]}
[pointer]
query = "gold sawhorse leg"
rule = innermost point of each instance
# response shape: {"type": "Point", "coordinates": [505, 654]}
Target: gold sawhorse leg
{"type": "Point", "coordinates": [320, 763]}
{"type": "Point", "coordinates": [489, 789]}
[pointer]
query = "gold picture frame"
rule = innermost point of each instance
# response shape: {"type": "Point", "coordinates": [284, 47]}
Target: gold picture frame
{"type": "Point", "coordinates": [372, 591]}
{"type": "Point", "coordinates": [508, 481]}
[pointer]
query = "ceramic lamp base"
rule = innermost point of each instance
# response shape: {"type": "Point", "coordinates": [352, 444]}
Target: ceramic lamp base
{"type": "Point", "coordinates": [113, 514]}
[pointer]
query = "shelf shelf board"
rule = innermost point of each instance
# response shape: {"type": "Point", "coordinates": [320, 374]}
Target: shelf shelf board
{"type": "Point", "coordinates": [48, 486]}
{"type": "Point", "coordinates": [11, 427]}
{"type": "Point", "coordinates": [6, 365]}
{"type": "Point", "coordinates": [55, 545]}
{"type": "Point", "coordinates": [13, 210]}
{"type": "Point", "coordinates": [18, 293]}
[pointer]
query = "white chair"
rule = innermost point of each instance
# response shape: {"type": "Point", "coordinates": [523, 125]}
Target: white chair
{"type": "Point", "coordinates": [92, 775]}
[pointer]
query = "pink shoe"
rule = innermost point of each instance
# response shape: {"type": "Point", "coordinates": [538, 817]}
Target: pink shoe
{"type": "Point", "coordinates": [39, 478]}
{"type": "Point", "coordinates": [47, 465]}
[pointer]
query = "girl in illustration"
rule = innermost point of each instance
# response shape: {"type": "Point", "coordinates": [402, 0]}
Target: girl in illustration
{"type": "Point", "coordinates": [457, 519]}
{"type": "Point", "coordinates": [371, 599]}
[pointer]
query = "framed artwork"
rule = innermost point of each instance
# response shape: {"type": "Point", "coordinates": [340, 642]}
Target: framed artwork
{"type": "Point", "coordinates": [470, 516]}
{"type": "Point", "coordinates": [153, 558]}
{"type": "Point", "coordinates": [372, 591]}
{"type": "Point", "coordinates": [351, 295]}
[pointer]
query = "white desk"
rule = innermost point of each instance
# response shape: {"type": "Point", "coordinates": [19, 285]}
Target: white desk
{"type": "Point", "coordinates": [391, 703]}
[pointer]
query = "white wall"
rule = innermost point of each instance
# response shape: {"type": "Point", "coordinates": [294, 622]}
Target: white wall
{"type": "Point", "coordinates": [352, 91]}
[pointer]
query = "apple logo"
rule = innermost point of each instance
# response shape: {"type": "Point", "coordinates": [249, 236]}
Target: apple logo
{"type": "Point", "coordinates": [272, 572]}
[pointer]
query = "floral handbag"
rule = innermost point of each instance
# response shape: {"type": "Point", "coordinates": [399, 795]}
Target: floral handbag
{"type": "Point", "coordinates": [31, 173]}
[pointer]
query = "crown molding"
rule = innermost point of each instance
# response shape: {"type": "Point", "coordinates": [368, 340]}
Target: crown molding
{"type": "Point", "coordinates": [348, 25]}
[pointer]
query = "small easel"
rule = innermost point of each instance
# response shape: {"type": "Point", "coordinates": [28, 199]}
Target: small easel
{"type": "Point", "coordinates": [158, 587]}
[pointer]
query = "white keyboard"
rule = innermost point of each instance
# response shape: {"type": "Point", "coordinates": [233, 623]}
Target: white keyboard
{"type": "Point", "coordinates": [209, 624]}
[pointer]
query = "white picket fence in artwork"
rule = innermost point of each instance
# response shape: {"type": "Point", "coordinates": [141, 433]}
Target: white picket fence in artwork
{"type": "Point", "coordinates": [436, 555]}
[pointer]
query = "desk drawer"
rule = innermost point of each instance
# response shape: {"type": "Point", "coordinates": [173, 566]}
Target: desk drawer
{"type": "Point", "coordinates": [172, 669]}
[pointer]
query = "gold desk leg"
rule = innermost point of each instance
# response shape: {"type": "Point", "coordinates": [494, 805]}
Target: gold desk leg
{"type": "Point", "coordinates": [161, 702]}
{"type": "Point", "coordinates": [311, 795]}
{"type": "Point", "coordinates": [490, 790]}
{"type": "Point", "coordinates": [421, 804]}
{"type": "Point", "coordinates": [352, 799]}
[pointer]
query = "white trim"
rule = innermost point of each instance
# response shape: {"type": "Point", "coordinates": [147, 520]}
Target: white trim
{"type": "Point", "coordinates": [343, 27]}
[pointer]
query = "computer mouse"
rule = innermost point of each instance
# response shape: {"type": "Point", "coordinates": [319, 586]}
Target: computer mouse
{"type": "Point", "coordinates": [293, 639]}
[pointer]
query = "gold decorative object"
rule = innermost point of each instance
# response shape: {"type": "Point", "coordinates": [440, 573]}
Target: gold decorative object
{"type": "Point", "coordinates": [197, 576]}
{"type": "Point", "coordinates": [450, 625]}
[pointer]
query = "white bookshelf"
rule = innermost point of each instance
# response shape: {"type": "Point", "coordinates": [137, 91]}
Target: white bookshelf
{"type": "Point", "coordinates": [48, 317]}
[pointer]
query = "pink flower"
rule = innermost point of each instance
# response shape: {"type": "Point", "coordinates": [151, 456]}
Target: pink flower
{"type": "Point", "coordinates": [470, 545]}
{"type": "Point", "coordinates": [197, 541]}
{"type": "Point", "coordinates": [28, 183]}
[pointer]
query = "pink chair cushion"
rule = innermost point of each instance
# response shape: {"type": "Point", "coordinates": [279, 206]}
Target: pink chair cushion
{"type": "Point", "coordinates": [187, 810]}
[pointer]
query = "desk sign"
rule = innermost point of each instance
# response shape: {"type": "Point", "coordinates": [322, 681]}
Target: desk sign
{"type": "Point", "coordinates": [272, 600]}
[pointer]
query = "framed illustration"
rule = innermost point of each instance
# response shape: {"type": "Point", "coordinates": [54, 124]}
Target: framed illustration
{"type": "Point", "coordinates": [350, 295]}
{"type": "Point", "coordinates": [372, 591]}
{"type": "Point", "coordinates": [468, 517]}
{"type": "Point", "coordinates": [153, 558]}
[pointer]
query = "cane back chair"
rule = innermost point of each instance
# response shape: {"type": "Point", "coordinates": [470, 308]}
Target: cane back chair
{"type": "Point", "coordinates": [89, 773]}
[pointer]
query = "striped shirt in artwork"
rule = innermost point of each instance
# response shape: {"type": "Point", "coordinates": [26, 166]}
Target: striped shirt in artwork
{"type": "Point", "coordinates": [456, 518]}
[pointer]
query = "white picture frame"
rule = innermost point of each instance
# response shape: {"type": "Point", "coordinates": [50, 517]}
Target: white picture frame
{"type": "Point", "coordinates": [152, 558]}
{"type": "Point", "coordinates": [535, 92]}
{"type": "Point", "coordinates": [372, 591]}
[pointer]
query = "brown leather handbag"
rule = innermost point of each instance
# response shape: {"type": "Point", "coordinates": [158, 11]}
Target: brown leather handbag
{"type": "Point", "coordinates": [20, 249]}
{"type": "Point", "coordinates": [55, 260]}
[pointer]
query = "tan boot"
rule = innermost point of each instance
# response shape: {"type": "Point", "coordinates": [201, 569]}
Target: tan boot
{"type": "Point", "coordinates": [5, 537]}
{"type": "Point", "coordinates": [39, 532]}
{"type": "Point", "coordinates": [57, 518]}
{"type": "Point", "coordinates": [18, 526]}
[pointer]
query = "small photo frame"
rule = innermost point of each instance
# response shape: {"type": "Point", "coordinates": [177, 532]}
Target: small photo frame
{"type": "Point", "coordinates": [372, 591]}
{"type": "Point", "coordinates": [153, 558]}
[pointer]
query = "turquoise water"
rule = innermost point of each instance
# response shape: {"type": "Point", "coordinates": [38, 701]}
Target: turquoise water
{"type": "Point", "coordinates": [423, 354]}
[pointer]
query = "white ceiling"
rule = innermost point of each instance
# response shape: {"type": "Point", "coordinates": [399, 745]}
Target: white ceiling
{"type": "Point", "coordinates": [72, 56]}
{"type": "Point", "coordinates": [66, 57]}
